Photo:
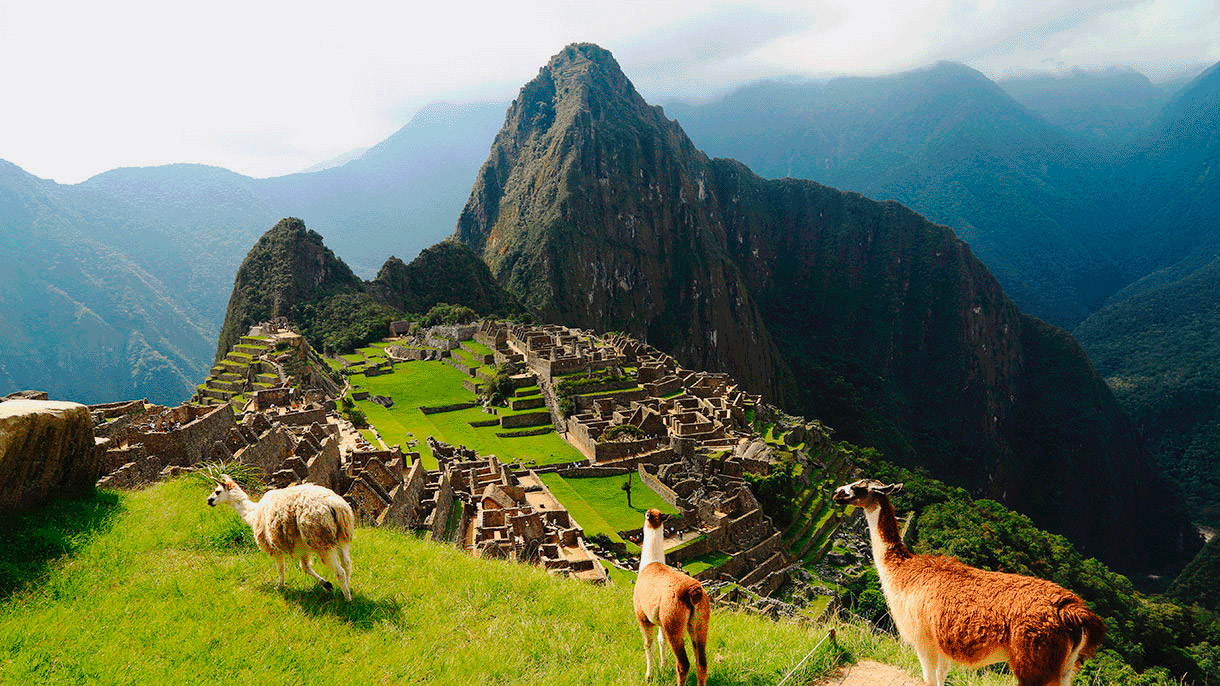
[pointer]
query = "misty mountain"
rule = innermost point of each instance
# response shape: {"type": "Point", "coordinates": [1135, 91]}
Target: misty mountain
{"type": "Point", "coordinates": [116, 287]}
{"type": "Point", "coordinates": [1156, 340]}
{"type": "Point", "coordinates": [952, 145]}
{"type": "Point", "coordinates": [1105, 108]}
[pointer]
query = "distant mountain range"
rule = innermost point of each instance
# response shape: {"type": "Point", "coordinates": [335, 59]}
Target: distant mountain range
{"type": "Point", "coordinates": [1093, 198]}
{"type": "Point", "coordinates": [116, 287]}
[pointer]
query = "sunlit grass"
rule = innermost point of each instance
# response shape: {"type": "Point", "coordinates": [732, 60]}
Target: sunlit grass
{"type": "Point", "coordinates": [170, 591]}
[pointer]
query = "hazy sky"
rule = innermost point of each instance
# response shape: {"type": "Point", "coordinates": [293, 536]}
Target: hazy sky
{"type": "Point", "coordinates": [267, 88]}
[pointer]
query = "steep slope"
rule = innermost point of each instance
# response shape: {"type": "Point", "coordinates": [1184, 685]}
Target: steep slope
{"type": "Point", "coordinates": [288, 266]}
{"type": "Point", "coordinates": [77, 317]}
{"type": "Point", "coordinates": [1155, 341]}
{"type": "Point", "coordinates": [949, 143]}
{"type": "Point", "coordinates": [290, 273]}
{"type": "Point", "coordinates": [598, 211]}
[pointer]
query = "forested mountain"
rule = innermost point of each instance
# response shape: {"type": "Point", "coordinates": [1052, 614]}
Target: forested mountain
{"type": "Point", "coordinates": [598, 211]}
{"type": "Point", "coordinates": [1104, 108]}
{"type": "Point", "coordinates": [116, 287]}
{"type": "Point", "coordinates": [291, 273]}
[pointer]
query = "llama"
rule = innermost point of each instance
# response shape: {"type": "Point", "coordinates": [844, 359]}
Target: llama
{"type": "Point", "coordinates": [951, 612]}
{"type": "Point", "coordinates": [298, 521]}
{"type": "Point", "coordinates": [672, 600]}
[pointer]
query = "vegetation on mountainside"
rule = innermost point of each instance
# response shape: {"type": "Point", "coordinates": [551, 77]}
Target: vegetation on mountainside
{"type": "Point", "coordinates": [1159, 352]}
{"type": "Point", "coordinates": [290, 273]}
{"type": "Point", "coordinates": [444, 313]}
{"type": "Point", "coordinates": [344, 321]}
{"type": "Point", "coordinates": [860, 313]}
{"type": "Point", "coordinates": [1150, 634]}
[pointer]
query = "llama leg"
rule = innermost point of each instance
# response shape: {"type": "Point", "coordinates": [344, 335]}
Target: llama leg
{"type": "Point", "coordinates": [700, 646]}
{"type": "Point", "coordinates": [279, 567]}
{"type": "Point", "coordinates": [678, 644]}
{"type": "Point", "coordinates": [345, 555]}
{"type": "Point", "coordinates": [942, 669]}
{"type": "Point", "coordinates": [332, 561]}
{"type": "Point", "coordinates": [929, 663]}
{"type": "Point", "coordinates": [307, 567]}
{"type": "Point", "coordinates": [649, 630]}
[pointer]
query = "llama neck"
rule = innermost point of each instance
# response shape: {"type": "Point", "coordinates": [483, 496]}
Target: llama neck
{"type": "Point", "coordinates": [654, 546]}
{"type": "Point", "coordinates": [883, 532]}
{"type": "Point", "coordinates": [244, 507]}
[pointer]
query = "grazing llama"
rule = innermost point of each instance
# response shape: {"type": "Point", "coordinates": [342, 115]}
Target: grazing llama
{"type": "Point", "coordinates": [298, 521]}
{"type": "Point", "coordinates": [951, 612]}
{"type": "Point", "coordinates": [672, 600]}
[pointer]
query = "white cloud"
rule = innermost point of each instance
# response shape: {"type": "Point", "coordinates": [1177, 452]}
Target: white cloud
{"type": "Point", "coordinates": [267, 88]}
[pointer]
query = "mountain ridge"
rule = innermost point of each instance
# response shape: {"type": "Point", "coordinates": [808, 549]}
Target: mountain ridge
{"type": "Point", "coordinates": [861, 313]}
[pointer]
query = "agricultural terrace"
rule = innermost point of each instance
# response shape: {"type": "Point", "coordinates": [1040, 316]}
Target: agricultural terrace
{"type": "Point", "coordinates": [432, 383]}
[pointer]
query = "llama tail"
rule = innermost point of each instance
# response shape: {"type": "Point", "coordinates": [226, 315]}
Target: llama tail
{"type": "Point", "coordinates": [345, 521]}
{"type": "Point", "coordinates": [1088, 629]}
{"type": "Point", "coordinates": [693, 595]}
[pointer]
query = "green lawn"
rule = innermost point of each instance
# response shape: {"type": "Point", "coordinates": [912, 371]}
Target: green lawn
{"type": "Point", "coordinates": [435, 383]}
{"type": "Point", "coordinates": [478, 347]}
{"type": "Point", "coordinates": [707, 561]}
{"type": "Point", "coordinates": [154, 587]}
{"type": "Point", "coordinates": [599, 505]}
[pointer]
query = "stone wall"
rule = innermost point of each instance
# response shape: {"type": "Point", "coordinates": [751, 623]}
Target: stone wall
{"type": "Point", "coordinates": [667, 494]}
{"type": "Point", "coordinates": [516, 421]}
{"type": "Point", "coordinates": [272, 448]}
{"type": "Point", "coordinates": [47, 450]}
{"type": "Point", "coordinates": [447, 408]}
{"type": "Point", "coordinates": [189, 444]}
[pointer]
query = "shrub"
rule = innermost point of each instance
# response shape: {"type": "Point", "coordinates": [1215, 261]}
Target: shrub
{"type": "Point", "coordinates": [622, 432]}
{"type": "Point", "coordinates": [444, 313]}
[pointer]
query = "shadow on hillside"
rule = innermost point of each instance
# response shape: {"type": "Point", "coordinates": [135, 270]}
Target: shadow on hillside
{"type": "Point", "coordinates": [32, 541]}
{"type": "Point", "coordinates": [362, 612]}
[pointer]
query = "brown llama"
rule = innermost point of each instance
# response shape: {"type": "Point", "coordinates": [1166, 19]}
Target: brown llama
{"type": "Point", "coordinates": [669, 599]}
{"type": "Point", "coordinates": [951, 612]}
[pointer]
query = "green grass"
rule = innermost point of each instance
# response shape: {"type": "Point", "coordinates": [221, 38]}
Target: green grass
{"type": "Point", "coordinates": [479, 348]}
{"type": "Point", "coordinates": [600, 507]}
{"type": "Point", "coordinates": [175, 592]}
{"type": "Point", "coordinates": [161, 589]}
{"type": "Point", "coordinates": [706, 561]}
{"type": "Point", "coordinates": [435, 383]}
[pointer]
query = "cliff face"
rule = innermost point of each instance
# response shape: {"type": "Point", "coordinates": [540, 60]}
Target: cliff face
{"type": "Point", "coordinates": [597, 211]}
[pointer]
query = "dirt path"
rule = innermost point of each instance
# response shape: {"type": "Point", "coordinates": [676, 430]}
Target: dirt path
{"type": "Point", "coordinates": [869, 673]}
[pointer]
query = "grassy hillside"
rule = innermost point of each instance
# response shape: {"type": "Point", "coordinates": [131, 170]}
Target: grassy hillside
{"type": "Point", "coordinates": [155, 587]}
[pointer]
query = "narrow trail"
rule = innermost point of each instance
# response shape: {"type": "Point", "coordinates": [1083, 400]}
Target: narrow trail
{"type": "Point", "coordinates": [869, 673]}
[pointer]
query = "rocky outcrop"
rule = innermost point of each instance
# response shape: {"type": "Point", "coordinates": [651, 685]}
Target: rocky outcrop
{"type": "Point", "coordinates": [598, 212]}
{"type": "Point", "coordinates": [46, 449]}
{"type": "Point", "coordinates": [290, 273]}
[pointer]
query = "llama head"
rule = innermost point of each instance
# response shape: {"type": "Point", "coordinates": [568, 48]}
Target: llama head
{"type": "Point", "coordinates": [864, 493]}
{"type": "Point", "coordinates": [224, 489]}
{"type": "Point", "coordinates": [654, 519]}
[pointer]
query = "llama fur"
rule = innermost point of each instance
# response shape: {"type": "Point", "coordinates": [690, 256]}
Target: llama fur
{"type": "Point", "coordinates": [665, 597]}
{"type": "Point", "coordinates": [952, 612]}
{"type": "Point", "coordinates": [298, 522]}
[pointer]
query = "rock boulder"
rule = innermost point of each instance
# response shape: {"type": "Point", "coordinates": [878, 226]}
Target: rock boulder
{"type": "Point", "coordinates": [47, 449]}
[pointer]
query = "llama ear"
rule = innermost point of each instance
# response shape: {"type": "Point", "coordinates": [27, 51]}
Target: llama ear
{"type": "Point", "coordinates": [889, 490]}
